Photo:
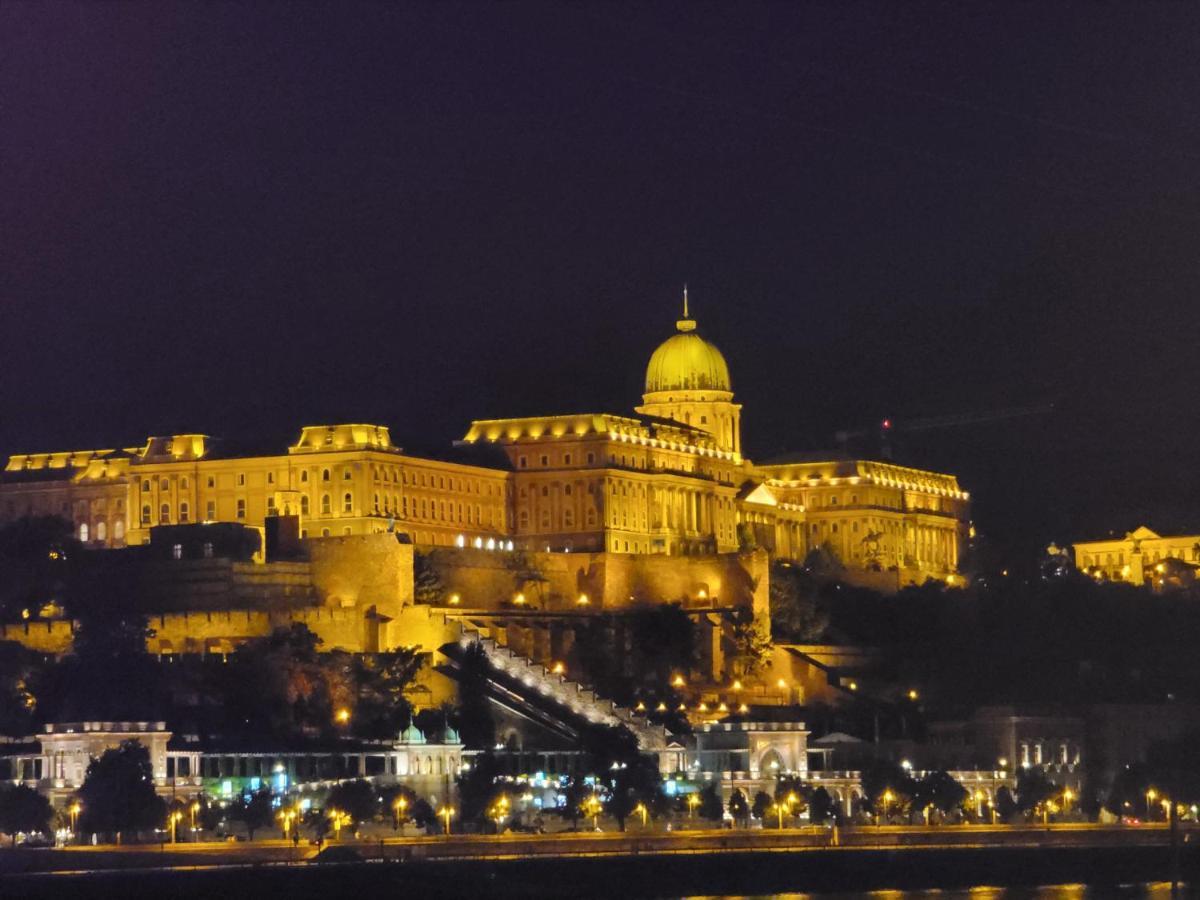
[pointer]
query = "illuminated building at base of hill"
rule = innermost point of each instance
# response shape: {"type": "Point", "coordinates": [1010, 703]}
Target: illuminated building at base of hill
{"type": "Point", "coordinates": [670, 479]}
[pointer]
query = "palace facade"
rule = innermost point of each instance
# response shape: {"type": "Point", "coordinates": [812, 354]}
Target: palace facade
{"type": "Point", "coordinates": [668, 479]}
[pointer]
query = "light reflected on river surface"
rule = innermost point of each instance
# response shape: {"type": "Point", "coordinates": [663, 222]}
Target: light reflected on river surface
{"type": "Point", "coordinates": [1157, 891]}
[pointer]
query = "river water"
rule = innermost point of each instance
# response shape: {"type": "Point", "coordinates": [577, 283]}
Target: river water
{"type": "Point", "coordinates": [1156, 891]}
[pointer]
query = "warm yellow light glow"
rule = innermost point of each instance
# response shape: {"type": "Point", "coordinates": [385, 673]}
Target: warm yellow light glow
{"type": "Point", "coordinates": [455, 599]}
{"type": "Point", "coordinates": [781, 684]}
{"type": "Point", "coordinates": [678, 681]}
{"type": "Point", "coordinates": [582, 600]}
{"type": "Point", "coordinates": [519, 598]}
{"type": "Point", "coordinates": [737, 685]}
{"type": "Point", "coordinates": [913, 695]}
{"type": "Point", "coordinates": [342, 716]}
{"type": "Point", "coordinates": [558, 668]}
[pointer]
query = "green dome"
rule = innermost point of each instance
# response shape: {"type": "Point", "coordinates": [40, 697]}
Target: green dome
{"type": "Point", "coordinates": [687, 362]}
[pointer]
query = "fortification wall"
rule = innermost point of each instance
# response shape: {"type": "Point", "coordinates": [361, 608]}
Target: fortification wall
{"type": "Point", "coordinates": [491, 580]}
{"type": "Point", "coordinates": [54, 636]}
{"type": "Point", "coordinates": [364, 571]}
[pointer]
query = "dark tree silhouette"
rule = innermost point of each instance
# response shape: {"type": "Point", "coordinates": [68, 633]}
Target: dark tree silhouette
{"type": "Point", "coordinates": [22, 809]}
{"type": "Point", "coordinates": [117, 794]}
{"type": "Point", "coordinates": [476, 725]}
{"type": "Point", "coordinates": [358, 799]}
{"type": "Point", "coordinates": [255, 812]}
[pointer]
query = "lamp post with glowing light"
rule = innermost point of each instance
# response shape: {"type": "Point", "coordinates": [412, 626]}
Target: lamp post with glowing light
{"type": "Point", "coordinates": [399, 807]}
{"type": "Point", "coordinates": [499, 811]}
{"type": "Point", "coordinates": [591, 809]}
{"type": "Point", "coordinates": [887, 798]}
{"type": "Point", "coordinates": [173, 822]}
{"type": "Point", "coordinates": [693, 801]}
{"type": "Point", "coordinates": [641, 810]}
{"type": "Point", "coordinates": [1151, 796]}
{"type": "Point", "coordinates": [446, 813]}
{"type": "Point", "coordinates": [74, 809]}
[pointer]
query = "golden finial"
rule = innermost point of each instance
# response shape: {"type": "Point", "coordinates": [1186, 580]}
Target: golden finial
{"type": "Point", "coordinates": [686, 323]}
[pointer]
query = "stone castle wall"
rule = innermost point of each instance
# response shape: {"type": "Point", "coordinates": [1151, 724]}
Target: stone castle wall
{"type": "Point", "coordinates": [483, 579]}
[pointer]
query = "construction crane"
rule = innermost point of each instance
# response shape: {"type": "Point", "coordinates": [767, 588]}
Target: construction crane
{"type": "Point", "coordinates": [889, 426]}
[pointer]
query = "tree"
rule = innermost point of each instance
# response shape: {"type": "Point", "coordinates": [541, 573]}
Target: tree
{"type": "Point", "coordinates": [711, 807]}
{"type": "Point", "coordinates": [427, 582]}
{"type": "Point", "coordinates": [357, 799]}
{"type": "Point", "coordinates": [477, 788]}
{"type": "Point", "coordinates": [797, 613]}
{"type": "Point", "coordinates": [739, 806]}
{"type": "Point", "coordinates": [762, 805]}
{"type": "Point", "coordinates": [381, 710]}
{"type": "Point", "coordinates": [417, 810]}
{"type": "Point", "coordinates": [886, 778]}
{"type": "Point", "coordinates": [939, 790]}
{"type": "Point", "coordinates": [821, 806]}
{"type": "Point", "coordinates": [1006, 804]}
{"type": "Point", "coordinates": [1033, 789]}
{"type": "Point", "coordinates": [752, 644]}
{"type": "Point", "coordinates": [22, 809]}
{"type": "Point", "coordinates": [476, 726]}
{"type": "Point", "coordinates": [255, 812]}
{"type": "Point", "coordinates": [117, 793]}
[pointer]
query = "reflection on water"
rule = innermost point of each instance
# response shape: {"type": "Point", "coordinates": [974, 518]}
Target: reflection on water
{"type": "Point", "coordinates": [1157, 891]}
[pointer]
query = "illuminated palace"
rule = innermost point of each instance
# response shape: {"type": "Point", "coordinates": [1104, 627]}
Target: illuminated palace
{"type": "Point", "coordinates": [670, 479]}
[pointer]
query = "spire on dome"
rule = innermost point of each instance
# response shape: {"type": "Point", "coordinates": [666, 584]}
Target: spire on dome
{"type": "Point", "coordinates": [687, 323]}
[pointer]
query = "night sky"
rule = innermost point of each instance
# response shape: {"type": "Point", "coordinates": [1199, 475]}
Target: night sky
{"type": "Point", "coordinates": [239, 219]}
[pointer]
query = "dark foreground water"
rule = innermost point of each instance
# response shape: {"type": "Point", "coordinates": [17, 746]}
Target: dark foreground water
{"type": "Point", "coordinates": [1157, 891]}
{"type": "Point", "coordinates": [1122, 873]}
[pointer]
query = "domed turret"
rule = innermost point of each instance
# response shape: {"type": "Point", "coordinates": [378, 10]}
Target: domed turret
{"type": "Point", "coordinates": [687, 380]}
{"type": "Point", "coordinates": [685, 361]}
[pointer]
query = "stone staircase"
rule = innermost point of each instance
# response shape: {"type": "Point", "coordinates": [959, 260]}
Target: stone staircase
{"type": "Point", "coordinates": [570, 695]}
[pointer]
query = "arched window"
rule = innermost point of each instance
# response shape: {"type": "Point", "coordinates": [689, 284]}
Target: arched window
{"type": "Point", "coordinates": [326, 504]}
{"type": "Point", "coordinates": [119, 530]}
{"type": "Point", "coordinates": [324, 474]}
{"type": "Point", "coordinates": [145, 513]}
{"type": "Point", "coordinates": [347, 502]}
{"type": "Point", "coordinates": [183, 483]}
{"type": "Point", "coordinates": [304, 476]}
{"type": "Point", "coordinates": [164, 514]}
{"type": "Point", "coordinates": [83, 532]}
{"type": "Point", "coordinates": [183, 511]}
{"type": "Point", "coordinates": [347, 474]}
{"type": "Point", "coordinates": [164, 485]}
{"type": "Point", "coordinates": [304, 504]}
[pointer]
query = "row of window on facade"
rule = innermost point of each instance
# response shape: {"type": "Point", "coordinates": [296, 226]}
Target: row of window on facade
{"type": "Point", "coordinates": [1037, 753]}
{"type": "Point", "coordinates": [99, 534]}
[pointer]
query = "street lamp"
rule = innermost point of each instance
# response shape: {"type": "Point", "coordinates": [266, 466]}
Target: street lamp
{"type": "Point", "coordinates": [74, 809]}
{"type": "Point", "coordinates": [446, 813]}
{"type": "Point", "coordinates": [693, 801]}
{"type": "Point", "coordinates": [172, 821]}
{"type": "Point", "coordinates": [887, 798]}
{"type": "Point", "coordinates": [398, 809]}
{"type": "Point", "coordinates": [1067, 796]}
{"type": "Point", "coordinates": [1151, 795]}
{"type": "Point", "coordinates": [778, 809]}
{"type": "Point", "coordinates": [591, 808]}
{"type": "Point", "coordinates": [287, 816]}
{"type": "Point", "coordinates": [499, 811]}
{"type": "Point", "coordinates": [641, 810]}
{"type": "Point", "coordinates": [193, 809]}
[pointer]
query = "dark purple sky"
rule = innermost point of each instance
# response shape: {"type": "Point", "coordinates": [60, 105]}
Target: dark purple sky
{"type": "Point", "coordinates": [243, 218]}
